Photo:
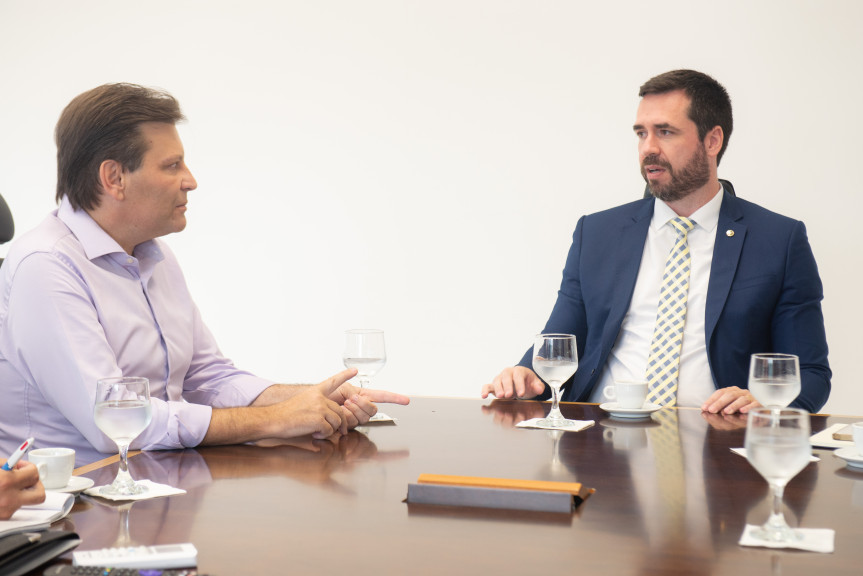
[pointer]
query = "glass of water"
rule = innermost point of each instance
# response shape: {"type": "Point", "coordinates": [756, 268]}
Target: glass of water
{"type": "Point", "coordinates": [555, 359]}
{"type": "Point", "coordinates": [122, 412]}
{"type": "Point", "coordinates": [774, 379]}
{"type": "Point", "coordinates": [365, 350]}
{"type": "Point", "coordinates": [777, 445]}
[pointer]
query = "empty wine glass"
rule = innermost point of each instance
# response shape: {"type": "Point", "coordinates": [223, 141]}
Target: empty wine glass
{"type": "Point", "coordinates": [122, 412]}
{"type": "Point", "coordinates": [555, 359]}
{"type": "Point", "coordinates": [777, 445]}
{"type": "Point", "coordinates": [774, 379]}
{"type": "Point", "coordinates": [365, 350]}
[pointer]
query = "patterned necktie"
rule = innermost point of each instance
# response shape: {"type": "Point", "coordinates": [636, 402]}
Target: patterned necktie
{"type": "Point", "coordinates": [670, 474]}
{"type": "Point", "coordinates": [663, 364]}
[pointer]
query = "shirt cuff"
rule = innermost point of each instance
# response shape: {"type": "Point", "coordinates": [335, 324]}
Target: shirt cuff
{"type": "Point", "coordinates": [175, 425]}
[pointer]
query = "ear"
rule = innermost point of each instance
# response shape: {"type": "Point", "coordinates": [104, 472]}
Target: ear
{"type": "Point", "coordinates": [713, 141]}
{"type": "Point", "coordinates": [112, 178]}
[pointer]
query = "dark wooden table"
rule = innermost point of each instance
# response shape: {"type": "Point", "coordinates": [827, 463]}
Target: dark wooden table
{"type": "Point", "coordinates": [321, 507]}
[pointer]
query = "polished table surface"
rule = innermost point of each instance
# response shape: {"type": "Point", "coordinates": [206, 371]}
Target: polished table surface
{"type": "Point", "coordinates": [337, 507]}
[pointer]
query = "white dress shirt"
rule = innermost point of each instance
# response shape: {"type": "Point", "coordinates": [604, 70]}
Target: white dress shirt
{"type": "Point", "coordinates": [628, 357]}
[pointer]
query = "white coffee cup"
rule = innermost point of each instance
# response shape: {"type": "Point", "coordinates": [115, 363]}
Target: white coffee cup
{"type": "Point", "coordinates": [55, 466]}
{"type": "Point", "coordinates": [857, 431]}
{"type": "Point", "coordinates": [629, 394]}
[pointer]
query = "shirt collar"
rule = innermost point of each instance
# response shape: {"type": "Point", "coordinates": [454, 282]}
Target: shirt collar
{"type": "Point", "coordinates": [706, 217]}
{"type": "Point", "coordinates": [95, 241]}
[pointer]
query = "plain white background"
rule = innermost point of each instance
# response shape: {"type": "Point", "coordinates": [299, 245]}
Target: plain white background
{"type": "Point", "coordinates": [420, 166]}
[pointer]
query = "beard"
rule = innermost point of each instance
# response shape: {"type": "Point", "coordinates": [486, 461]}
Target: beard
{"type": "Point", "coordinates": [691, 177]}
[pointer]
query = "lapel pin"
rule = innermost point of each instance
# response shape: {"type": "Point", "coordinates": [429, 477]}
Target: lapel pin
{"type": "Point", "coordinates": [729, 233]}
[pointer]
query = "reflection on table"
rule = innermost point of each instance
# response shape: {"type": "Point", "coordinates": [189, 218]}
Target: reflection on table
{"type": "Point", "coordinates": [671, 498]}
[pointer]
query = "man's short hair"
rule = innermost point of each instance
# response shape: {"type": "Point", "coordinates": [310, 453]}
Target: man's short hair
{"type": "Point", "coordinates": [709, 105]}
{"type": "Point", "coordinates": [104, 124]}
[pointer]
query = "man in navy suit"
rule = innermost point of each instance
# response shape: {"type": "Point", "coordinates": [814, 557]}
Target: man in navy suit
{"type": "Point", "coordinates": [753, 287]}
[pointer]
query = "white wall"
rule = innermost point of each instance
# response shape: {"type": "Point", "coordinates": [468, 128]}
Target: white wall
{"type": "Point", "coordinates": [420, 166]}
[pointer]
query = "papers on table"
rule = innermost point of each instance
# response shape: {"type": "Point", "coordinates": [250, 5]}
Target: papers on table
{"type": "Point", "coordinates": [575, 426]}
{"type": "Point", "coordinates": [153, 491]}
{"type": "Point", "coordinates": [742, 452]}
{"type": "Point", "coordinates": [39, 516]}
{"type": "Point", "coordinates": [824, 439]}
{"type": "Point", "coordinates": [813, 539]}
{"type": "Point", "coordinates": [381, 417]}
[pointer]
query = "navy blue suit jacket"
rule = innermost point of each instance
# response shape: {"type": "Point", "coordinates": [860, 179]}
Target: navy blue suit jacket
{"type": "Point", "coordinates": [764, 295]}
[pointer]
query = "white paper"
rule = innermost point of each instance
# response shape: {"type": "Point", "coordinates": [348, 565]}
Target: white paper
{"type": "Point", "coordinates": [381, 417]}
{"type": "Point", "coordinates": [742, 452]}
{"type": "Point", "coordinates": [153, 491]}
{"type": "Point", "coordinates": [824, 439]}
{"type": "Point", "coordinates": [575, 426]}
{"type": "Point", "coordinates": [38, 516]}
{"type": "Point", "coordinates": [814, 539]}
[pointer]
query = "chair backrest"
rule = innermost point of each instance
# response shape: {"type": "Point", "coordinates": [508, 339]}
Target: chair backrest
{"type": "Point", "coordinates": [7, 224]}
{"type": "Point", "coordinates": [725, 184]}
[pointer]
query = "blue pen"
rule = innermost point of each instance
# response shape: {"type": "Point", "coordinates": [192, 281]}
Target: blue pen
{"type": "Point", "coordinates": [17, 454]}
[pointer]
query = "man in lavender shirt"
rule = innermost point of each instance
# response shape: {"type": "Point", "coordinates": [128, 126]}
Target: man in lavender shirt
{"type": "Point", "coordinates": [92, 293]}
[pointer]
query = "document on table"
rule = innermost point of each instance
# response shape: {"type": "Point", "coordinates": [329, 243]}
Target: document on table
{"type": "Point", "coordinates": [38, 516]}
{"type": "Point", "coordinates": [742, 452]}
{"type": "Point", "coordinates": [824, 439]}
{"type": "Point", "coordinates": [572, 426]}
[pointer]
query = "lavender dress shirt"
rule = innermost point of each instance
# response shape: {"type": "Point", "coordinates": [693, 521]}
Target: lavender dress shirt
{"type": "Point", "coordinates": [74, 308]}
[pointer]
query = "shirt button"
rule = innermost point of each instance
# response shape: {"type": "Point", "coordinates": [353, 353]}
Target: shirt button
{"type": "Point", "coordinates": [130, 260]}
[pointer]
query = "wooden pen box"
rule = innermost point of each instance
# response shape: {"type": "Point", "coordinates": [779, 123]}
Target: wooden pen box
{"type": "Point", "coordinates": [534, 495]}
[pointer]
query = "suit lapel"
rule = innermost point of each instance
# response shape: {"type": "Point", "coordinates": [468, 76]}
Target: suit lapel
{"type": "Point", "coordinates": [619, 273]}
{"type": "Point", "coordinates": [730, 233]}
{"type": "Point", "coordinates": [626, 256]}
{"type": "Point", "coordinates": [631, 239]}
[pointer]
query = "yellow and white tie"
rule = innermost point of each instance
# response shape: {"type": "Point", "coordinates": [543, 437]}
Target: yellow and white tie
{"type": "Point", "coordinates": [663, 364]}
{"type": "Point", "coordinates": [670, 473]}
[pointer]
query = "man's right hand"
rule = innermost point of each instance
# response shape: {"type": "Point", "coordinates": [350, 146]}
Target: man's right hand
{"type": "Point", "coordinates": [517, 382]}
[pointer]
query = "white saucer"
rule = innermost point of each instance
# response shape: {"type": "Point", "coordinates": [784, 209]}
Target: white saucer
{"type": "Point", "coordinates": [76, 485]}
{"type": "Point", "coordinates": [643, 412]}
{"type": "Point", "coordinates": [852, 458]}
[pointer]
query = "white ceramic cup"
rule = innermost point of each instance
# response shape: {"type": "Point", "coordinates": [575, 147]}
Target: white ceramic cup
{"type": "Point", "coordinates": [629, 394]}
{"type": "Point", "coordinates": [857, 431]}
{"type": "Point", "coordinates": [55, 466]}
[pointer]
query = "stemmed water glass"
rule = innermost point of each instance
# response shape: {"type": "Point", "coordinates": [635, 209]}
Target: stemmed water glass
{"type": "Point", "coordinates": [774, 379]}
{"type": "Point", "coordinates": [777, 445]}
{"type": "Point", "coordinates": [122, 412]}
{"type": "Point", "coordinates": [365, 350]}
{"type": "Point", "coordinates": [556, 467]}
{"type": "Point", "coordinates": [555, 359]}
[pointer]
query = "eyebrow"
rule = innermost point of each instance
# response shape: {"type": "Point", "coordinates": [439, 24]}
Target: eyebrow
{"type": "Point", "coordinates": [660, 126]}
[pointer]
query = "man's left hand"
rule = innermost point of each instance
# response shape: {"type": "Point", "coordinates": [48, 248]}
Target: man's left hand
{"type": "Point", "coordinates": [358, 404]}
{"type": "Point", "coordinates": [730, 401]}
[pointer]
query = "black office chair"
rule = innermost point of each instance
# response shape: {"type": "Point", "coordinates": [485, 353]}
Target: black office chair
{"type": "Point", "coordinates": [725, 184]}
{"type": "Point", "coordinates": [7, 225]}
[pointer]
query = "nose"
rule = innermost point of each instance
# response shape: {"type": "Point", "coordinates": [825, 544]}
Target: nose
{"type": "Point", "coordinates": [189, 183]}
{"type": "Point", "coordinates": [648, 145]}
